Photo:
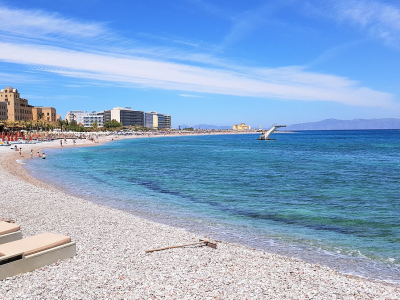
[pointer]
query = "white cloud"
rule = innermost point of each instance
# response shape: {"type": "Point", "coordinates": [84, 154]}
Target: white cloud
{"type": "Point", "coordinates": [153, 67]}
{"type": "Point", "coordinates": [190, 96]}
{"type": "Point", "coordinates": [291, 83]}
{"type": "Point", "coordinates": [379, 20]}
{"type": "Point", "coordinates": [247, 22]}
{"type": "Point", "coordinates": [40, 24]}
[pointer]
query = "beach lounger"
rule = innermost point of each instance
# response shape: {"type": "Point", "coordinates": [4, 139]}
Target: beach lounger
{"type": "Point", "coordinates": [9, 232]}
{"type": "Point", "coordinates": [34, 252]}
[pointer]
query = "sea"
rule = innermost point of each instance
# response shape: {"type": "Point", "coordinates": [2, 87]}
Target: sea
{"type": "Point", "coordinates": [327, 197]}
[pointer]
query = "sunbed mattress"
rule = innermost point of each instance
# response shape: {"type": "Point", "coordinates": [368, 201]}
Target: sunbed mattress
{"type": "Point", "coordinates": [34, 244]}
{"type": "Point", "coordinates": [6, 227]}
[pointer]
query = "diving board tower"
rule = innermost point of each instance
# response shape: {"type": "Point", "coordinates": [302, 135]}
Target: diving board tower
{"type": "Point", "coordinates": [265, 135]}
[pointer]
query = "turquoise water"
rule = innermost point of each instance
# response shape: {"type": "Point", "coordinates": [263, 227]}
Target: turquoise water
{"type": "Point", "coordinates": [330, 197]}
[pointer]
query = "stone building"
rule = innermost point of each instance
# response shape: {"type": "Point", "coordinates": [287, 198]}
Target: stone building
{"type": "Point", "coordinates": [241, 127]}
{"type": "Point", "coordinates": [18, 108]}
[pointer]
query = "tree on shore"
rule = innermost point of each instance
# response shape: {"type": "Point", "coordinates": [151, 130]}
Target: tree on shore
{"type": "Point", "coordinates": [61, 123]}
{"type": "Point", "coordinates": [112, 124]}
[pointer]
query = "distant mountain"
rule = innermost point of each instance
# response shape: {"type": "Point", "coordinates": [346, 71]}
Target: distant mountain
{"type": "Point", "coordinates": [333, 124]}
{"type": "Point", "coordinates": [205, 126]}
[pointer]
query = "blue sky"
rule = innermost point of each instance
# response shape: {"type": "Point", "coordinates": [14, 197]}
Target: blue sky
{"type": "Point", "coordinates": [202, 61]}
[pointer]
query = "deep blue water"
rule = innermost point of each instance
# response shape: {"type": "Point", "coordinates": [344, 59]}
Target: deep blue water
{"type": "Point", "coordinates": [330, 197]}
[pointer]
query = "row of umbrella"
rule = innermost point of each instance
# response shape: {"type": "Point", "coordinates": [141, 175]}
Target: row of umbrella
{"type": "Point", "coordinates": [14, 136]}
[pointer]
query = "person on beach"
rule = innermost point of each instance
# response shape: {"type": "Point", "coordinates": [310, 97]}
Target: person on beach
{"type": "Point", "coordinates": [31, 153]}
{"type": "Point", "coordinates": [20, 150]}
{"type": "Point", "coordinates": [43, 156]}
{"type": "Point", "coordinates": [61, 143]}
{"type": "Point", "coordinates": [39, 154]}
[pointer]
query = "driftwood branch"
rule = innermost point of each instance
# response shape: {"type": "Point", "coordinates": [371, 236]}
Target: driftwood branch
{"type": "Point", "coordinates": [206, 243]}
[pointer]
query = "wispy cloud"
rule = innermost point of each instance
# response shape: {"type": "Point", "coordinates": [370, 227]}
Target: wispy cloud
{"type": "Point", "coordinates": [39, 23]}
{"type": "Point", "coordinates": [281, 83]}
{"type": "Point", "coordinates": [171, 39]}
{"type": "Point", "coordinates": [169, 70]}
{"type": "Point", "coordinates": [331, 53]}
{"type": "Point", "coordinates": [12, 78]}
{"type": "Point", "coordinates": [211, 8]}
{"type": "Point", "coordinates": [190, 96]}
{"type": "Point", "coordinates": [380, 20]}
{"type": "Point", "coordinates": [248, 21]}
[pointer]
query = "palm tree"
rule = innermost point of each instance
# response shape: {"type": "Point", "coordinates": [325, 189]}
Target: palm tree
{"type": "Point", "coordinates": [40, 115]}
{"type": "Point", "coordinates": [61, 124]}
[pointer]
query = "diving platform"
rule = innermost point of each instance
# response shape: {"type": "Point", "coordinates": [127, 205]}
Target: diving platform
{"type": "Point", "coordinates": [265, 135]}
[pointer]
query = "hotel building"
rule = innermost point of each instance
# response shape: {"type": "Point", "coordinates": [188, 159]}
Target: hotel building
{"type": "Point", "coordinates": [90, 118]}
{"type": "Point", "coordinates": [76, 115]}
{"type": "Point", "coordinates": [86, 119]}
{"type": "Point", "coordinates": [241, 127]}
{"type": "Point", "coordinates": [49, 113]}
{"type": "Point", "coordinates": [18, 108]}
{"type": "Point", "coordinates": [156, 120]}
{"type": "Point", "coordinates": [126, 116]}
{"type": "Point", "coordinates": [3, 111]}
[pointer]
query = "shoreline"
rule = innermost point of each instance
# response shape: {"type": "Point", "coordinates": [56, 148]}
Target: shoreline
{"type": "Point", "coordinates": [261, 274]}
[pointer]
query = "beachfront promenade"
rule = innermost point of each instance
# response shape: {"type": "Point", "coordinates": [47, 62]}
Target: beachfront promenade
{"type": "Point", "coordinates": [111, 262]}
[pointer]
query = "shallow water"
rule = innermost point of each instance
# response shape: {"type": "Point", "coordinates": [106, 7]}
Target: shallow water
{"type": "Point", "coordinates": [329, 197]}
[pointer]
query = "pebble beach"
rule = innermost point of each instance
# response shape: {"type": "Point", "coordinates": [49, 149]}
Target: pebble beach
{"type": "Point", "coordinates": [111, 262]}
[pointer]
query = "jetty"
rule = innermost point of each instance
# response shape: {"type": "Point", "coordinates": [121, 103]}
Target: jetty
{"type": "Point", "coordinates": [265, 135]}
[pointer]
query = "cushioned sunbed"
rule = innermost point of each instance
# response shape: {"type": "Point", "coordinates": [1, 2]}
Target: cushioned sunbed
{"type": "Point", "coordinates": [34, 252]}
{"type": "Point", "coordinates": [9, 232]}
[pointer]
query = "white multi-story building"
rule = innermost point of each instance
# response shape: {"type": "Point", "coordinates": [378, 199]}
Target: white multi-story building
{"type": "Point", "coordinates": [76, 115]}
{"type": "Point", "coordinates": [90, 118]}
{"type": "Point", "coordinates": [153, 119]}
{"type": "Point", "coordinates": [86, 119]}
{"type": "Point", "coordinates": [126, 116]}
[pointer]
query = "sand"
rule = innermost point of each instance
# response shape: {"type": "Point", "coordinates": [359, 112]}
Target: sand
{"type": "Point", "coordinates": [111, 262]}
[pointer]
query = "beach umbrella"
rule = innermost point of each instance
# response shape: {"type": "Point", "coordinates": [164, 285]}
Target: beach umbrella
{"type": "Point", "coordinates": [12, 136]}
{"type": "Point", "coordinates": [8, 136]}
{"type": "Point", "coordinates": [30, 138]}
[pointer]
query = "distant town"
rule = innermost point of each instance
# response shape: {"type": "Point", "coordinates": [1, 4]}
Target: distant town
{"type": "Point", "coordinates": [15, 109]}
{"type": "Point", "coordinates": [16, 113]}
